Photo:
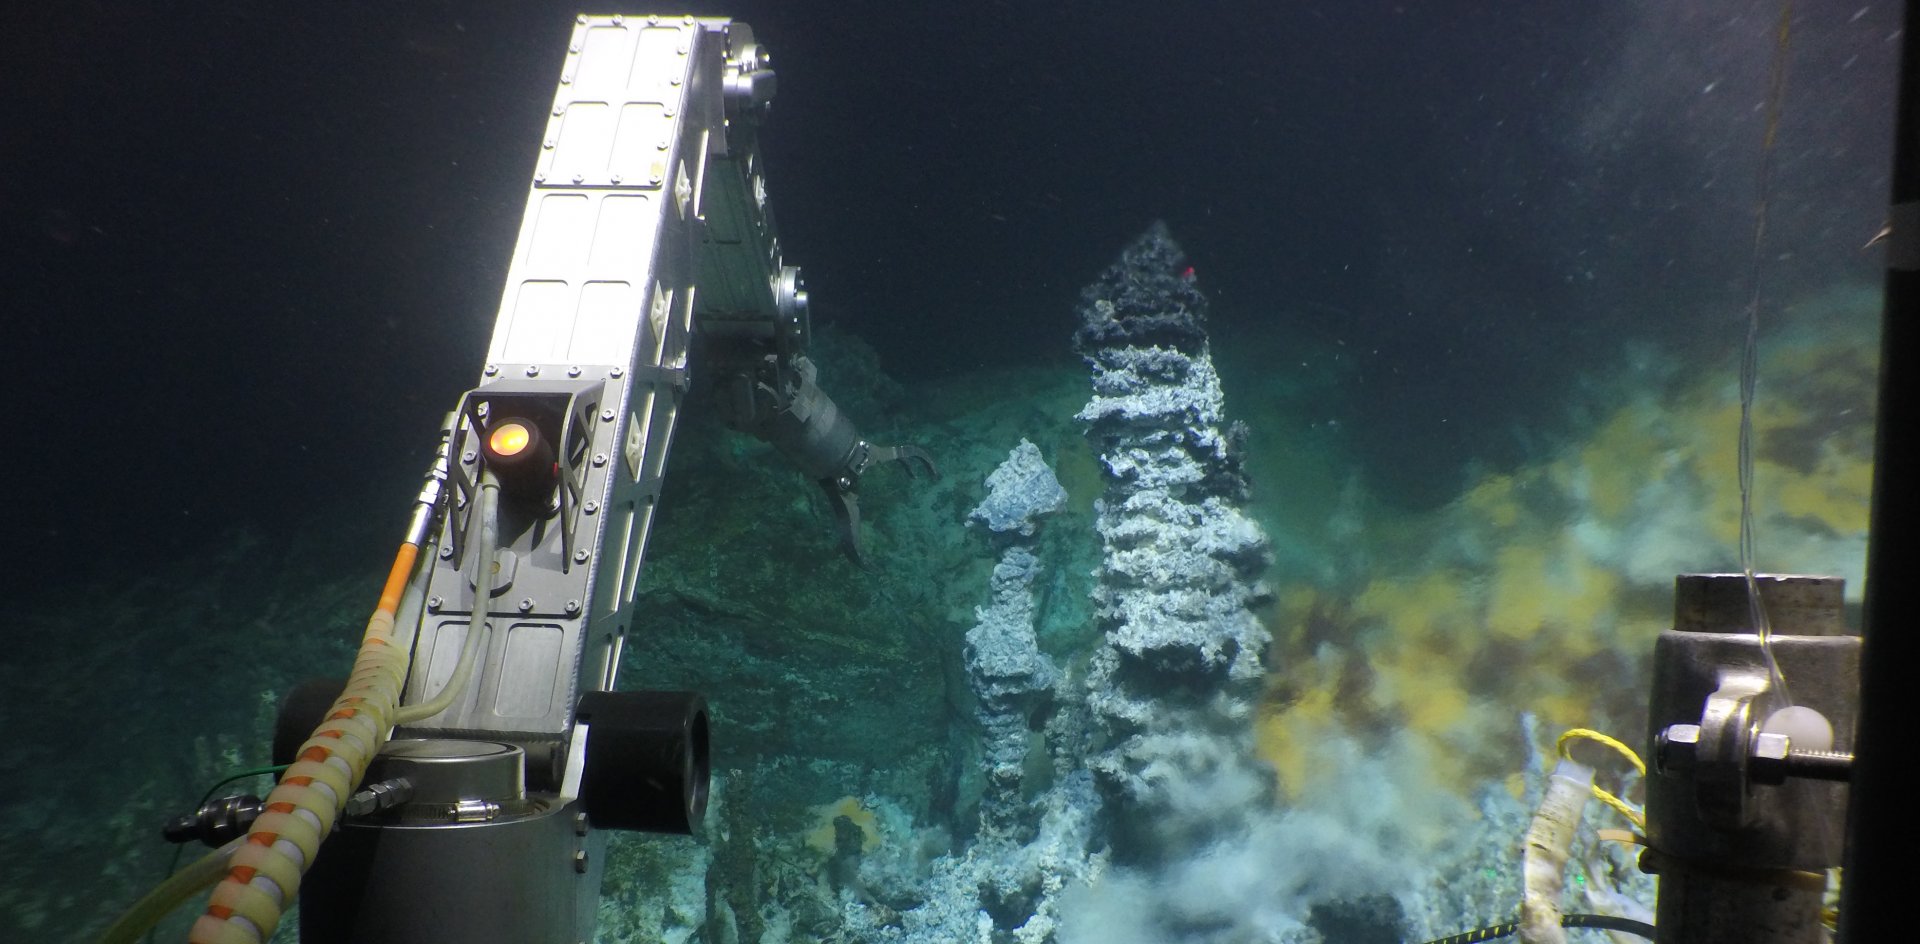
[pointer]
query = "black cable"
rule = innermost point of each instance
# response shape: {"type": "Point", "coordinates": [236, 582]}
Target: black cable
{"type": "Point", "coordinates": [1603, 922]}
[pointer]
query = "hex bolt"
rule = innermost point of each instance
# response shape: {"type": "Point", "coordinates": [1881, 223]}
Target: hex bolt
{"type": "Point", "coordinates": [606, 415]}
{"type": "Point", "coordinates": [573, 607]}
{"type": "Point", "coordinates": [615, 372]}
{"type": "Point", "coordinates": [1675, 748]}
{"type": "Point", "coordinates": [580, 556]}
{"type": "Point", "coordinates": [526, 604]}
{"type": "Point", "coordinates": [446, 552]}
{"type": "Point", "coordinates": [599, 459]}
{"type": "Point", "coordinates": [573, 371]}
{"type": "Point", "coordinates": [492, 369]}
{"type": "Point", "coordinates": [1774, 761]}
{"type": "Point", "coordinates": [434, 604]}
{"type": "Point", "coordinates": [590, 507]}
{"type": "Point", "coordinates": [533, 370]}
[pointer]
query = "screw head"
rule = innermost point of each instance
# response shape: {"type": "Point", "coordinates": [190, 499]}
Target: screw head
{"type": "Point", "coordinates": [573, 607]}
{"type": "Point", "coordinates": [615, 372]}
{"type": "Point", "coordinates": [599, 459]}
{"type": "Point", "coordinates": [533, 370]}
{"type": "Point", "coordinates": [446, 552]}
{"type": "Point", "coordinates": [590, 507]}
{"type": "Point", "coordinates": [580, 556]}
{"type": "Point", "coordinates": [573, 371]}
{"type": "Point", "coordinates": [526, 603]}
{"type": "Point", "coordinates": [606, 415]}
{"type": "Point", "coordinates": [492, 369]}
{"type": "Point", "coordinates": [434, 604]}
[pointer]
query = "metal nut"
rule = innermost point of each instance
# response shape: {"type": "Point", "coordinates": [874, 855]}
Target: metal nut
{"type": "Point", "coordinates": [1677, 746]}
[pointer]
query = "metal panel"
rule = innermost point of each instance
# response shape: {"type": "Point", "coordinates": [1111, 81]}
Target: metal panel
{"type": "Point", "coordinates": [595, 208]}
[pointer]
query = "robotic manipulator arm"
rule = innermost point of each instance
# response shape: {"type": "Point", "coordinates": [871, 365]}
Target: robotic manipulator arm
{"type": "Point", "coordinates": [464, 780]}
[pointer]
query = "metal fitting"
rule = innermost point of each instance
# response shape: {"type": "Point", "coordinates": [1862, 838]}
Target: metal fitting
{"type": "Point", "coordinates": [381, 795]}
{"type": "Point", "coordinates": [1677, 748]}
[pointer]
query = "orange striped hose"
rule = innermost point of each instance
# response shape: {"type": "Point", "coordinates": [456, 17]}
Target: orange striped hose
{"type": "Point", "coordinates": [265, 876]}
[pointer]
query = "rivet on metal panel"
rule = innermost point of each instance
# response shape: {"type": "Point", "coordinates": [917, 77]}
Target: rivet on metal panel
{"type": "Point", "coordinates": [580, 556]}
{"type": "Point", "coordinates": [492, 369]}
{"type": "Point", "coordinates": [559, 109]}
{"type": "Point", "coordinates": [618, 19]}
{"type": "Point", "coordinates": [434, 604]}
{"type": "Point", "coordinates": [566, 78]}
{"type": "Point", "coordinates": [573, 49]}
{"type": "Point", "coordinates": [681, 49]}
{"type": "Point", "coordinates": [468, 457]}
{"type": "Point", "coordinates": [573, 607]}
{"type": "Point", "coordinates": [616, 178]}
{"type": "Point", "coordinates": [606, 415]}
{"type": "Point", "coordinates": [667, 111]}
{"type": "Point", "coordinates": [526, 603]}
{"type": "Point", "coordinates": [653, 19]}
{"type": "Point", "coordinates": [540, 178]}
{"type": "Point", "coordinates": [590, 507]}
{"type": "Point", "coordinates": [688, 20]}
{"type": "Point", "coordinates": [615, 372]}
{"type": "Point", "coordinates": [533, 370]}
{"type": "Point", "coordinates": [599, 459]}
{"type": "Point", "coordinates": [674, 81]}
{"type": "Point", "coordinates": [579, 178]}
{"type": "Point", "coordinates": [549, 143]}
{"type": "Point", "coordinates": [582, 18]}
{"type": "Point", "coordinates": [446, 552]}
{"type": "Point", "coordinates": [573, 371]}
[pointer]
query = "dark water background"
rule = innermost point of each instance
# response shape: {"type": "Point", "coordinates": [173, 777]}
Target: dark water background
{"type": "Point", "coordinates": [254, 249]}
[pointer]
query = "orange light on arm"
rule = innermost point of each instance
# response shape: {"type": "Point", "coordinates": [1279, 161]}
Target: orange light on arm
{"type": "Point", "coordinates": [508, 439]}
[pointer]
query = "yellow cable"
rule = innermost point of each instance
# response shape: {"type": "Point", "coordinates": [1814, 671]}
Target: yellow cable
{"type": "Point", "coordinates": [1625, 809]}
{"type": "Point", "coordinates": [170, 894]}
{"type": "Point", "coordinates": [248, 902]}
